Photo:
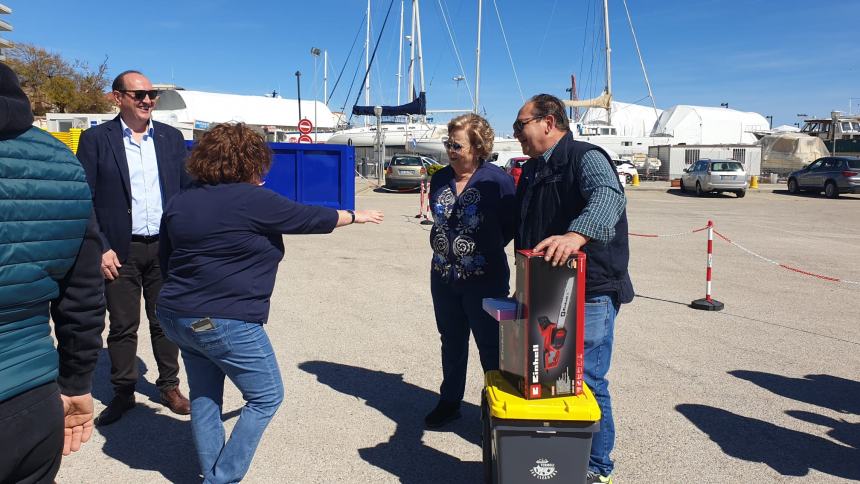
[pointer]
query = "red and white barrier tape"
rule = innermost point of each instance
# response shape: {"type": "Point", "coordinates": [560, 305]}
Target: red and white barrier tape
{"type": "Point", "coordinates": [670, 235]}
{"type": "Point", "coordinates": [748, 251]}
{"type": "Point", "coordinates": [784, 266]}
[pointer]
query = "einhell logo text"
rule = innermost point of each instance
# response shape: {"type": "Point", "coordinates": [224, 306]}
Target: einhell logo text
{"type": "Point", "coordinates": [543, 470]}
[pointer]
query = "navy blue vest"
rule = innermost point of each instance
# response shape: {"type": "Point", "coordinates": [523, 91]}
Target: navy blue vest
{"type": "Point", "coordinates": [549, 199]}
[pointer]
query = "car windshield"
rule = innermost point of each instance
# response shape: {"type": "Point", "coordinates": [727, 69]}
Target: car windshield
{"type": "Point", "coordinates": [726, 166]}
{"type": "Point", "coordinates": [406, 162]}
{"type": "Point", "coordinates": [853, 164]}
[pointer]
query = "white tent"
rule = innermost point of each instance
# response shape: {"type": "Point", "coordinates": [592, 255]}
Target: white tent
{"type": "Point", "coordinates": [628, 119]}
{"type": "Point", "coordinates": [708, 125]}
{"type": "Point", "coordinates": [786, 128]}
{"type": "Point", "coordinates": [182, 106]}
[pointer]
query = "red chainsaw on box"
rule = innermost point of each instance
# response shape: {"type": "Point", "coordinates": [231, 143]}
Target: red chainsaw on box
{"type": "Point", "coordinates": [554, 334]}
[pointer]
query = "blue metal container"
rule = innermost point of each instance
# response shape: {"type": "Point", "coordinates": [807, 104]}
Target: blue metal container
{"type": "Point", "coordinates": [313, 174]}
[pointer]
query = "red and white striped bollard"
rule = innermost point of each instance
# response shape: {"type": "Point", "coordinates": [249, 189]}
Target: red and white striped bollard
{"type": "Point", "coordinates": [708, 303]}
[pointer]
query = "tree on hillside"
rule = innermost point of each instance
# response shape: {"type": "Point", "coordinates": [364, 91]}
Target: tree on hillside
{"type": "Point", "coordinates": [54, 84]}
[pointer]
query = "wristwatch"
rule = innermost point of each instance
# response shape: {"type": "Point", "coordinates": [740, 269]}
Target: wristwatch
{"type": "Point", "coordinates": [352, 214]}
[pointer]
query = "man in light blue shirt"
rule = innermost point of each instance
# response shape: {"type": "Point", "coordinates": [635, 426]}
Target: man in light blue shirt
{"type": "Point", "coordinates": [134, 166]}
{"type": "Point", "coordinates": [143, 176]}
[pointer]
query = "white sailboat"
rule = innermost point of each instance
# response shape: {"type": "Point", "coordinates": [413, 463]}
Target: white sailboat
{"type": "Point", "coordinates": [433, 144]}
{"type": "Point", "coordinates": [394, 134]}
{"type": "Point", "coordinates": [604, 133]}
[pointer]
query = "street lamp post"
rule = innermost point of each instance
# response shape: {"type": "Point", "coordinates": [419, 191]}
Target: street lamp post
{"type": "Point", "coordinates": [769, 121]}
{"type": "Point", "coordinates": [299, 92]}
{"type": "Point", "coordinates": [315, 52]}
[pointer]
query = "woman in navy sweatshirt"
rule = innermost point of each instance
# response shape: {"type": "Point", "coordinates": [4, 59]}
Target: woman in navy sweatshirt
{"type": "Point", "coordinates": [221, 242]}
{"type": "Point", "coordinates": [472, 202]}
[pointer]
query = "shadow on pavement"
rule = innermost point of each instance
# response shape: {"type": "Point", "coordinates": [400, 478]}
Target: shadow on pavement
{"type": "Point", "coordinates": [640, 296]}
{"type": "Point", "coordinates": [404, 454]}
{"type": "Point", "coordinates": [690, 193]}
{"type": "Point", "coordinates": [846, 432]}
{"type": "Point", "coordinates": [789, 452]}
{"type": "Point", "coordinates": [144, 438]}
{"type": "Point", "coordinates": [812, 194]}
{"type": "Point", "coordinates": [835, 393]}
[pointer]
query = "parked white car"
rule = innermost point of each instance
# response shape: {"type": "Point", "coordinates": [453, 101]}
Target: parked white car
{"type": "Point", "coordinates": [717, 176]}
{"type": "Point", "coordinates": [626, 168]}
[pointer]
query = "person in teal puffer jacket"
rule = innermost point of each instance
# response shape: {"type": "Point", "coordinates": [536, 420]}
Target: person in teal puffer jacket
{"type": "Point", "coordinates": [49, 269]}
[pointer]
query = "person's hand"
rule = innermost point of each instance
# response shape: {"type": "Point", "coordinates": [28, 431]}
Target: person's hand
{"type": "Point", "coordinates": [78, 411]}
{"type": "Point", "coordinates": [558, 248]}
{"type": "Point", "coordinates": [110, 265]}
{"type": "Point", "coordinates": [372, 216]}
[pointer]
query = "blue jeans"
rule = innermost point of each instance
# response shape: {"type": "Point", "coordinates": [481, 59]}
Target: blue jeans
{"type": "Point", "coordinates": [600, 313]}
{"type": "Point", "coordinates": [241, 351]}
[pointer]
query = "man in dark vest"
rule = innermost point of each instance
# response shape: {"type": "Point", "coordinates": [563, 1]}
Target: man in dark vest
{"type": "Point", "coordinates": [570, 199]}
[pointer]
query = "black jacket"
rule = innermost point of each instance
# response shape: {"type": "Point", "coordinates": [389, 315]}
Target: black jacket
{"type": "Point", "coordinates": [102, 153]}
{"type": "Point", "coordinates": [549, 199]}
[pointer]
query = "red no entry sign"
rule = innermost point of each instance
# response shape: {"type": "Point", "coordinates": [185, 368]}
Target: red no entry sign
{"type": "Point", "coordinates": [305, 139]}
{"type": "Point", "coordinates": [305, 126]}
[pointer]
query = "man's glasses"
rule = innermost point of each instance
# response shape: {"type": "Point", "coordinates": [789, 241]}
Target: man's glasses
{"type": "Point", "coordinates": [452, 146]}
{"type": "Point", "coordinates": [140, 94]}
{"type": "Point", "coordinates": [521, 123]}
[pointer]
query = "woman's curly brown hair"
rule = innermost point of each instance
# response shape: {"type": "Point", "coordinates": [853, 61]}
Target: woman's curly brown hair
{"type": "Point", "coordinates": [479, 132]}
{"type": "Point", "coordinates": [230, 153]}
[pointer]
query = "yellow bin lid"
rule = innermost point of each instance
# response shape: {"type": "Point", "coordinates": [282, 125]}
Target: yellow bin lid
{"type": "Point", "coordinates": [505, 402]}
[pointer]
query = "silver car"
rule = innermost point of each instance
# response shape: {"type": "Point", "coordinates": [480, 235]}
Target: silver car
{"type": "Point", "coordinates": [716, 176]}
{"type": "Point", "coordinates": [406, 171]}
{"type": "Point", "coordinates": [832, 174]}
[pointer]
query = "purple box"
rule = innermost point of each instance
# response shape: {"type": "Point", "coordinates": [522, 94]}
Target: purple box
{"type": "Point", "coordinates": [501, 308]}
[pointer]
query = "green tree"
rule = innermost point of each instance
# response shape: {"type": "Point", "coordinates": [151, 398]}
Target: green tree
{"type": "Point", "coordinates": [54, 84]}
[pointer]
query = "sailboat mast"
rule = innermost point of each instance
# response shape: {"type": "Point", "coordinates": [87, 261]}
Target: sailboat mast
{"type": "Point", "coordinates": [478, 61]}
{"type": "Point", "coordinates": [411, 73]}
{"type": "Point", "coordinates": [608, 60]}
{"type": "Point", "coordinates": [420, 47]}
{"type": "Point", "coordinates": [367, 59]}
{"type": "Point", "coordinates": [400, 54]}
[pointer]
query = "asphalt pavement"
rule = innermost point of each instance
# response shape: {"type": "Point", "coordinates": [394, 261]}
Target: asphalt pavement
{"type": "Point", "coordinates": [767, 390]}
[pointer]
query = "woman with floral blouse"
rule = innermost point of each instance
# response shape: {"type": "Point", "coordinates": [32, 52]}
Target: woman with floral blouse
{"type": "Point", "coordinates": [472, 202]}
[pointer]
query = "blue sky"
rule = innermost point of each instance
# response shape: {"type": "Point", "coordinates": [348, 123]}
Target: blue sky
{"type": "Point", "coordinates": [775, 57]}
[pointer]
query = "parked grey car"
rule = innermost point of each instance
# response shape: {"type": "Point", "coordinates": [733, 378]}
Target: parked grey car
{"type": "Point", "coordinates": [715, 176]}
{"type": "Point", "coordinates": [832, 175]}
{"type": "Point", "coordinates": [406, 171]}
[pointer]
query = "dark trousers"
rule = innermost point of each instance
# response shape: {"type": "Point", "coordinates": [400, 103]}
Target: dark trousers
{"type": "Point", "coordinates": [457, 314]}
{"type": "Point", "coordinates": [139, 272]}
{"type": "Point", "coordinates": [31, 432]}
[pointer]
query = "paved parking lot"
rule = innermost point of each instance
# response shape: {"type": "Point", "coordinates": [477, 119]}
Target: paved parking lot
{"type": "Point", "coordinates": [766, 390]}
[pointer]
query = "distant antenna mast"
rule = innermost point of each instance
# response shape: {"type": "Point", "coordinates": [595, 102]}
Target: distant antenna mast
{"type": "Point", "coordinates": [478, 61]}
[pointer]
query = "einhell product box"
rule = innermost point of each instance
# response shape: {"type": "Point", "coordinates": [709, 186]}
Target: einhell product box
{"type": "Point", "coordinates": [541, 351]}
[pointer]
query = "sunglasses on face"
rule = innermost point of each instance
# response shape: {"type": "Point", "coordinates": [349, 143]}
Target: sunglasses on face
{"type": "Point", "coordinates": [452, 146]}
{"type": "Point", "coordinates": [140, 94]}
{"type": "Point", "coordinates": [521, 123]}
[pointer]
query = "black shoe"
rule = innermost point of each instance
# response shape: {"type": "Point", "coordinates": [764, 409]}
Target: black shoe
{"type": "Point", "coordinates": [113, 412]}
{"type": "Point", "coordinates": [443, 413]}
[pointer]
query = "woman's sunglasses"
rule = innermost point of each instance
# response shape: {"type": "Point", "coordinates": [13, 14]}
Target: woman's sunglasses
{"type": "Point", "coordinates": [140, 94]}
{"type": "Point", "coordinates": [452, 146]}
